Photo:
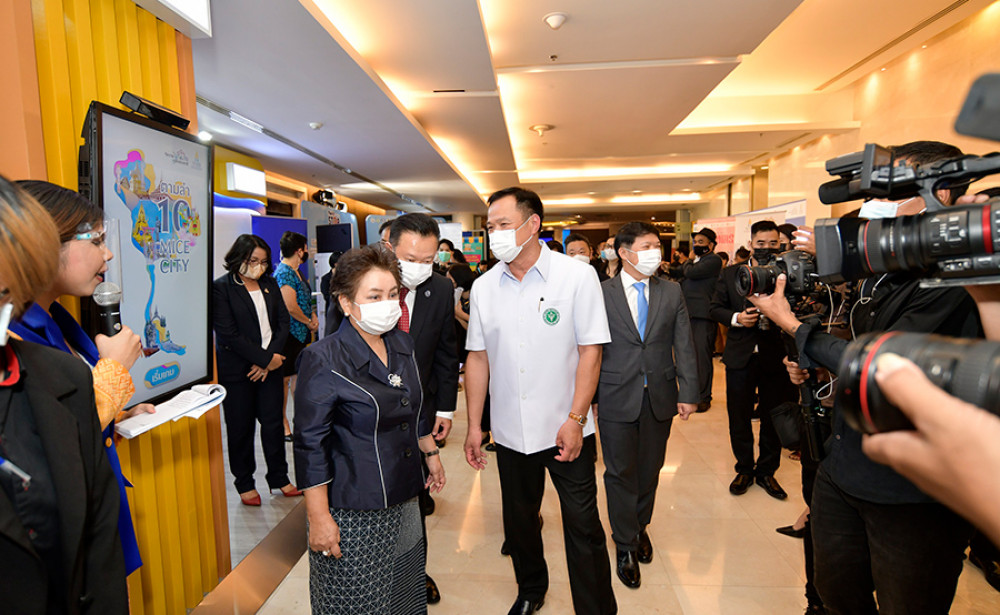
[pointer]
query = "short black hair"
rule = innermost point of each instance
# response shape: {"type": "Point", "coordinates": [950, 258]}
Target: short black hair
{"type": "Point", "coordinates": [334, 257]}
{"type": "Point", "coordinates": [447, 242]}
{"type": "Point", "coordinates": [763, 226]}
{"type": "Point", "coordinates": [463, 276]}
{"type": "Point", "coordinates": [421, 224]}
{"type": "Point", "coordinates": [527, 201]}
{"type": "Point", "coordinates": [927, 153]}
{"type": "Point", "coordinates": [578, 237]}
{"type": "Point", "coordinates": [708, 233]}
{"type": "Point", "coordinates": [787, 229]}
{"type": "Point", "coordinates": [555, 246]}
{"type": "Point", "coordinates": [723, 255]}
{"type": "Point", "coordinates": [742, 253]}
{"type": "Point", "coordinates": [291, 242]}
{"type": "Point", "coordinates": [627, 234]}
{"type": "Point", "coordinates": [241, 251]}
{"type": "Point", "coordinates": [384, 226]}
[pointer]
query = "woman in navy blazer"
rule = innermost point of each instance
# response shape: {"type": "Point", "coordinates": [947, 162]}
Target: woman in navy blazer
{"type": "Point", "coordinates": [360, 429]}
{"type": "Point", "coordinates": [251, 326]}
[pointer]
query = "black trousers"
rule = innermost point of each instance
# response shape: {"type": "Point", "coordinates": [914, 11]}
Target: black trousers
{"type": "Point", "coordinates": [809, 468]}
{"type": "Point", "coordinates": [767, 381]}
{"type": "Point", "coordinates": [633, 457]}
{"type": "Point", "coordinates": [704, 333]}
{"type": "Point", "coordinates": [248, 403]}
{"type": "Point", "coordinates": [910, 554]}
{"type": "Point", "coordinates": [522, 484]}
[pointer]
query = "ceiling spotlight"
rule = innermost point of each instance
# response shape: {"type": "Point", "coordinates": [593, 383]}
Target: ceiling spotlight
{"type": "Point", "coordinates": [541, 129]}
{"type": "Point", "coordinates": [555, 20]}
{"type": "Point", "coordinates": [205, 136]}
{"type": "Point", "coordinates": [315, 125]}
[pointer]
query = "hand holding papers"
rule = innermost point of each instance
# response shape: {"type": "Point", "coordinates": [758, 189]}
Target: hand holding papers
{"type": "Point", "coordinates": [192, 403]}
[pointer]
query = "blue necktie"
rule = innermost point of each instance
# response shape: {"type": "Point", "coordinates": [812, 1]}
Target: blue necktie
{"type": "Point", "coordinates": [643, 308]}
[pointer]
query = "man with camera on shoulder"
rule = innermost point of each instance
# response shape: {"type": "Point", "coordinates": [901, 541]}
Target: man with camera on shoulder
{"type": "Point", "coordinates": [874, 530]}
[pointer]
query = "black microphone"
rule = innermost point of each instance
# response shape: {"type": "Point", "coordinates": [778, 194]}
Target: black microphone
{"type": "Point", "coordinates": [840, 191]}
{"type": "Point", "coordinates": [108, 297]}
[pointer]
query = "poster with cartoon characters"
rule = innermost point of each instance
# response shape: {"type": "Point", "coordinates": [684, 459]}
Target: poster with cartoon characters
{"type": "Point", "coordinates": [158, 186]}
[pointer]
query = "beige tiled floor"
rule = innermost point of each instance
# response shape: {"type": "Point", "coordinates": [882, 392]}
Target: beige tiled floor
{"type": "Point", "coordinates": [714, 553]}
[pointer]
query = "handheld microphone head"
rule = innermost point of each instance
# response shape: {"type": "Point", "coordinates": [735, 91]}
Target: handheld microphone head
{"type": "Point", "coordinates": [108, 297]}
{"type": "Point", "coordinates": [107, 293]}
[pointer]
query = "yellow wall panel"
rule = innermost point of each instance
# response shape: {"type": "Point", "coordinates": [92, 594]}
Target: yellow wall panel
{"type": "Point", "coordinates": [92, 50]}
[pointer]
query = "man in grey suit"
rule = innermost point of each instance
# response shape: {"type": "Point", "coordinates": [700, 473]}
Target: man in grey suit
{"type": "Point", "coordinates": [648, 375]}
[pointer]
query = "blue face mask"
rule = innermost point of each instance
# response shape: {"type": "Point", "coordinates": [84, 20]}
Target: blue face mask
{"type": "Point", "coordinates": [875, 210]}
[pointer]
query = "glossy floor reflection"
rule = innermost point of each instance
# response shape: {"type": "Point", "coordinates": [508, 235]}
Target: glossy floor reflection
{"type": "Point", "coordinates": [714, 553]}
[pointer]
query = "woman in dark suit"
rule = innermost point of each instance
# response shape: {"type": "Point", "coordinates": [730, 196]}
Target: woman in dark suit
{"type": "Point", "coordinates": [59, 547]}
{"type": "Point", "coordinates": [251, 326]}
{"type": "Point", "coordinates": [360, 429]}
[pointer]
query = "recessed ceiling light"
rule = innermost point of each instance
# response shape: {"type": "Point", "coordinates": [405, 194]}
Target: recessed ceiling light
{"type": "Point", "coordinates": [883, 69]}
{"type": "Point", "coordinates": [541, 129]}
{"type": "Point", "coordinates": [205, 136]}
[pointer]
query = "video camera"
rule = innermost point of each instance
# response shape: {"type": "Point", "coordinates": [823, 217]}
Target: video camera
{"type": "Point", "coordinates": [799, 269]}
{"type": "Point", "coordinates": [947, 246]}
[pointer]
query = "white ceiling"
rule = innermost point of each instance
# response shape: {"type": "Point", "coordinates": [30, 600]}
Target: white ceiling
{"type": "Point", "coordinates": [434, 99]}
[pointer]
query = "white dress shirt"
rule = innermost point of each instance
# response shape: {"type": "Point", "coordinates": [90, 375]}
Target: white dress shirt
{"type": "Point", "coordinates": [531, 330]}
{"type": "Point", "coordinates": [632, 295]}
{"type": "Point", "coordinates": [265, 324]}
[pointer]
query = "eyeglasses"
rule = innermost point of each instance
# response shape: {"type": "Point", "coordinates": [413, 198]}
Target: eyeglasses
{"type": "Point", "coordinates": [257, 261]}
{"type": "Point", "coordinates": [94, 237]}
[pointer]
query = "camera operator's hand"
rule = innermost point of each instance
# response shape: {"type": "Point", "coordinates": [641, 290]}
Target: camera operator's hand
{"type": "Point", "coordinates": [775, 307]}
{"type": "Point", "coordinates": [803, 239]}
{"type": "Point", "coordinates": [953, 454]}
{"type": "Point", "coordinates": [795, 373]}
{"type": "Point", "coordinates": [748, 317]}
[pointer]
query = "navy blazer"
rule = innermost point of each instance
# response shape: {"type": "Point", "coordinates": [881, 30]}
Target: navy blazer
{"type": "Point", "coordinates": [357, 421]}
{"type": "Point", "coordinates": [237, 329]}
{"type": "Point", "coordinates": [432, 327]}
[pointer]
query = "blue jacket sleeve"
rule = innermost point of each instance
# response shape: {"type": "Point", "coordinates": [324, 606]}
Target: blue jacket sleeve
{"type": "Point", "coordinates": [315, 402]}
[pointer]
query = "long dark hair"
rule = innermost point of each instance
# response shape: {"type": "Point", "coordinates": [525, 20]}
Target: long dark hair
{"type": "Point", "coordinates": [241, 251]}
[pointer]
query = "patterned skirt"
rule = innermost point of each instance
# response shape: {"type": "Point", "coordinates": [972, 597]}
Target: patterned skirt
{"type": "Point", "coordinates": [382, 568]}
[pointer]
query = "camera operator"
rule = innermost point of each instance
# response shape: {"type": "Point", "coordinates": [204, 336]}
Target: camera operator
{"type": "Point", "coordinates": [753, 359]}
{"type": "Point", "coordinates": [873, 530]}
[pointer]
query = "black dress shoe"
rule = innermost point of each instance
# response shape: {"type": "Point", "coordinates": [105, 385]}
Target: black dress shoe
{"type": "Point", "coordinates": [523, 606]}
{"type": "Point", "coordinates": [433, 595]}
{"type": "Point", "coordinates": [771, 486]}
{"type": "Point", "coordinates": [427, 505]}
{"type": "Point", "coordinates": [815, 609]}
{"type": "Point", "coordinates": [628, 569]}
{"type": "Point", "coordinates": [645, 552]}
{"type": "Point", "coordinates": [740, 484]}
{"type": "Point", "coordinates": [504, 549]}
{"type": "Point", "coordinates": [789, 530]}
{"type": "Point", "coordinates": [703, 406]}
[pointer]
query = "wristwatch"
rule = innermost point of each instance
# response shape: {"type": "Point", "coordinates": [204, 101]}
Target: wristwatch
{"type": "Point", "coordinates": [579, 418]}
{"type": "Point", "coordinates": [436, 451]}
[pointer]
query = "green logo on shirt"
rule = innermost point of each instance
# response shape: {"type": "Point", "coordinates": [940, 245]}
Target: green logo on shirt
{"type": "Point", "coordinates": [550, 316]}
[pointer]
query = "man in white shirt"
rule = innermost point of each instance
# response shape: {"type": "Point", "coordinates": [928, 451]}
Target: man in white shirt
{"type": "Point", "coordinates": [536, 326]}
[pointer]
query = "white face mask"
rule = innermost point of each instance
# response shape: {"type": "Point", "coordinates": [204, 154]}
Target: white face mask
{"type": "Point", "coordinates": [582, 258]}
{"type": "Point", "coordinates": [875, 210]}
{"type": "Point", "coordinates": [504, 245]}
{"type": "Point", "coordinates": [609, 254]}
{"type": "Point", "coordinates": [414, 274]}
{"type": "Point", "coordinates": [378, 317]}
{"type": "Point", "coordinates": [252, 271]}
{"type": "Point", "coordinates": [649, 261]}
{"type": "Point", "coordinates": [5, 313]}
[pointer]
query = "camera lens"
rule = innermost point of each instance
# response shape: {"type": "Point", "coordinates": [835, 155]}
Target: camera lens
{"type": "Point", "coordinates": [967, 369]}
{"type": "Point", "coordinates": [751, 280]}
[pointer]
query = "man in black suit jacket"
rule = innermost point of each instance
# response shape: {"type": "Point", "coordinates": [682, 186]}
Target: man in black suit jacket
{"type": "Point", "coordinates": [701, 272]}
{"type": "Point", "coordinates": [427, 300]}
{"type": "Point", "coordinates": [753, 359]}
{"type": "Point", "coordinates": [648, 375]}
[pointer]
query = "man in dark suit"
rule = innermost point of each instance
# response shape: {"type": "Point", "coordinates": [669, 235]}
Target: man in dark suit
{"type": "Point", "coordinates": [648, 375]}
{"type": "Point", "coordinates": [754, 368]}
{"type": "Point", "coordinates": [427, 300]}
{"type": "Point", "coordinates": [701, 272]}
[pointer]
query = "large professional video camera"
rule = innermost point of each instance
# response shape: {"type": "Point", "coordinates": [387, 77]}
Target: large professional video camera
{"type": "Point", "coordinates": [947, 246]}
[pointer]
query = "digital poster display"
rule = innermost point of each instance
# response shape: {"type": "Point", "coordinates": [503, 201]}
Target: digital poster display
{"type": "Point", "coordinates": [157, 182]}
